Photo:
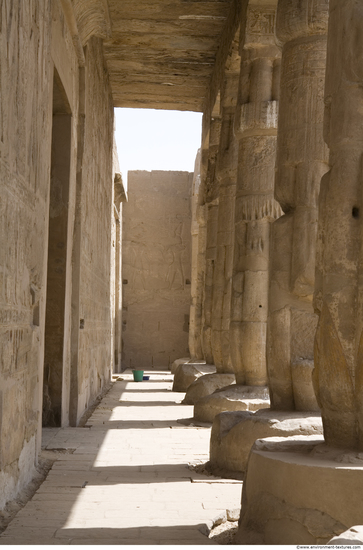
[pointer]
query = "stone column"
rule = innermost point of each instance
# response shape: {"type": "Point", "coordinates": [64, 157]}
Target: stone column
{"type": "Point", "coordinates": [310, 466]}
{"type": "Point", "coordinates": [196, 289]}
{"type": "Point", "coordinates": [338, 377]}
{"type": "Point", "coordinates": [301, 162]}
{"type": "Point", "coordinates": [255, 127]}
{"type": "Point", "coordinates": [226, 174]}
{"type": "Point", "coordinates": [219, 188]}
{"type": "Point", "coordinates": [256, 130]}
{"type": "Point", "coordinates": [211, 199]}
{"type": "Point", "coordinates": [204, 231]}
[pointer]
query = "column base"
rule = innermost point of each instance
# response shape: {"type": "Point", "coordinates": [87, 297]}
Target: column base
{"type": "Point", "coordinates": [178, 362]}
{"type": "Point", "coordinates": [234, 433]}
{"type": "Point", "coordinates": [300, 491]}
{"type": "Point", "coordinates": [206, 385]}
{"type": "Point", "coordinates": [231, 398]}
{"type": "Point", "coordinates": [186, 373]}
{"type": "Point", "coordinates": [353, 536]}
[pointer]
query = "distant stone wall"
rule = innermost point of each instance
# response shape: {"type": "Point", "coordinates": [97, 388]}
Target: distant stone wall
{"type": "Point", "coordinates": [156, 257]}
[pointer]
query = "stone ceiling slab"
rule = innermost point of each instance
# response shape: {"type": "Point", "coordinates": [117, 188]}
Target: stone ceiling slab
{"type": "Point", "coordinates": [162, 53]}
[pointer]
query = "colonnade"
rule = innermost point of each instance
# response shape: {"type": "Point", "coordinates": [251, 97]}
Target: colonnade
{"type": "Point", "coordinates": [281, 293]}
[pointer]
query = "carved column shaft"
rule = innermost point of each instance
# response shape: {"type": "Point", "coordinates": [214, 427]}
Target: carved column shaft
{"type": "Point", "coordinates": [197, 269]}
{"type": "Point", "coordinates": [211, 191]}
{"type": "Point", "coordinates": [255, 209]}
{"type": "Point", "coordinates": [338, 375]}
{"type": "Point", "coordinates": [226, 174]}
{"type": "Point", "coordinates": [301, 162]}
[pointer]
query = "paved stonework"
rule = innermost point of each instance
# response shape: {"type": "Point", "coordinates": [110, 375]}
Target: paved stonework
{"type": "Point", "coordinates": [124, 477]}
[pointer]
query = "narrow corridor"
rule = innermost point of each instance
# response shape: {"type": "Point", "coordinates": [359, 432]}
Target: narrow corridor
{"type": "Point", "coordinates": [124, 477]}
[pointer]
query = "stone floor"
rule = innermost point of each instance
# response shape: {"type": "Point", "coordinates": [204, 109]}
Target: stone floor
{"type": "Point", "coordinates": [124, 477]}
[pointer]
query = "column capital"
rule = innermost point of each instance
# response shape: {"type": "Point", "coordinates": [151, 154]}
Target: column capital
{"type": "Point", "coordinates": [301, 19]}
{"type": "Point", "coordinates": [259, 27]}
{"type": "Point", "coordinates": [258, 207]}
{"type": "Point", "coordinates": [257, 107]}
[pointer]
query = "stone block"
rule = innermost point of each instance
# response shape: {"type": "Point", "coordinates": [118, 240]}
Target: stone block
{"type": "Point", "coordinates": [206, 385]}
{"type": "Point", "coordinates": [291, 492]}
{"type": "Point", "coordinates": [353, 536]}
{"type": "Point", "coordinates": [234, 433]}
{"type": "Point", "coordinates": [187, 373]}
{"type": "Point", "coordinates": [231, 398]}
{"type": "Point", "coordinates": [178, 362]}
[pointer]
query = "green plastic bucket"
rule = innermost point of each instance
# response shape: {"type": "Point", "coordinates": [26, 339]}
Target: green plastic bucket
{"type": "Point", "coordinates": [138, 375]}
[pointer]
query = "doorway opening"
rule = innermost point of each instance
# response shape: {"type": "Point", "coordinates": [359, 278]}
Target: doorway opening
{"type": "Point", "coordinates": [57, 257]}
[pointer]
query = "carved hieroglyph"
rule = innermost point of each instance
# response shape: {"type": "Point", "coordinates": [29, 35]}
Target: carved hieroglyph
{"type": "Point", "coordinates": [255, 208]}
{"type": "Point", "coordinates": [338, 292]}
{"type": "Point", "coordinates": [301, 161]}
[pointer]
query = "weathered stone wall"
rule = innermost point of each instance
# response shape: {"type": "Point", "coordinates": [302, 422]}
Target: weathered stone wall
{"type": "Point", "coordinates": [97, 209]}
{"type": "Point", "coordinates": [156, 276]}
{"type": "Point", "coordinates": [25, 139]}
{"type": "Point", "coordinates": [56, 135]}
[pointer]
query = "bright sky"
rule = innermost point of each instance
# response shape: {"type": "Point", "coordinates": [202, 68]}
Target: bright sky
{"type": "Point", "coordinates": [152, 139]}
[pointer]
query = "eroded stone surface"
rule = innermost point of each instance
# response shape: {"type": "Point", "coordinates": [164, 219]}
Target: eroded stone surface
{"type": "Point", "coordinates": [304, 508]}
{"type": "Point", "coordinates": [178, 362]}
{"type": "Point", "coordinates": [234, 433]}
{"type": "Point", "coordinates": [206, 385]}
{"type": "Point", "coordinates": [231, 398]}
{"type": "Point", "coordinates": [187, 373]}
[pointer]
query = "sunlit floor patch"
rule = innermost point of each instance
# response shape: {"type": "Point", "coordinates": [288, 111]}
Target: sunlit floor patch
{"type": "Point", "coordinates": [127, 478]}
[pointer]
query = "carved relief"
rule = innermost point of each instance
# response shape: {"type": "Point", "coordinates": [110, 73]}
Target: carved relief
{"type": "Point", "coordinates": [261, 20]}
{"type": "Point", "coordinates": [156, 267]}
{"type": "Point", "coordinates": [257, 207]}
{"type": "Point", "coordinates": [298, 173]}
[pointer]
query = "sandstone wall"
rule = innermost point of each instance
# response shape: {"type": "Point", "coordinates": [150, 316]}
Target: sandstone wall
{"type": "Point", "coordinates": [156, 276]}
{"type": "Point", "coordinates": [56, 135]}
{"type": "Point", "coordinates": [25, 139]}
{"type": "Point", "coordinates": [97, 211]}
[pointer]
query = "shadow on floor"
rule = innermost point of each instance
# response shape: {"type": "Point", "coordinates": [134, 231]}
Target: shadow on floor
{"type": "Point", "coordinates": [171, 534]}
{"type": "Point", "coordinates": [140, 424]}
{"type": "Point", "coordinates": [127, 403]}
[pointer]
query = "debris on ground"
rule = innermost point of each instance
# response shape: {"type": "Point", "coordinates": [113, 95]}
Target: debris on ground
{"type": "Point", "coordinates": [222, 528]}
{"type": "Point", "coordinates": [224, 533]}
